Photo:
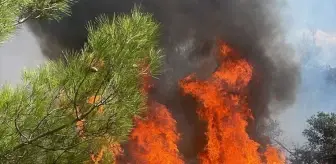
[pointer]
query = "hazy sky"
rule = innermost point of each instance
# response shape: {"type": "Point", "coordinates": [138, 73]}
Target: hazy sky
{"type": "Point", "coordinates": [315, 13]}
{"type": "Point", "coordinates": [18, 52]}
{"type": "Point", "coordinates": [314, 93]}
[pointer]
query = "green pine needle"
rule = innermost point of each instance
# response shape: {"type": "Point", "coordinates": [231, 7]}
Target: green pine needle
{"type": "Point", "coordinates": [38, 119]}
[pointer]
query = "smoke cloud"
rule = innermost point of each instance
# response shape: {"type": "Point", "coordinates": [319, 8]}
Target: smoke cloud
{"type": "Point", "coordinates": [189, 30]}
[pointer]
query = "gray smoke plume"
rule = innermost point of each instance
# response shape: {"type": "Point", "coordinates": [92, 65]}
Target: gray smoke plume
{"type": "Point", "coordinates": [190, 29]}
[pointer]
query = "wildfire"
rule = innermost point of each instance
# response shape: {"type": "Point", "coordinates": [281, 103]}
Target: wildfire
{"type": "Point", "coordinates": [223, 106]}
{"type": "Point", "coordinates": [154, 139]}
{"type": "Point", "coordinates": [273, 156]}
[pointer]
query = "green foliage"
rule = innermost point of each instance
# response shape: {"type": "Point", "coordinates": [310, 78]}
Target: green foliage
{"type": "Point", "coordinates": [321, 135]}
{"type": "Point", "coordinates": [8, 14]}
{"type": "Point", "coordinates": [47, 9]}
{"type": "Point", "coordinates": [15, 12]}
{"type": "Point", "coordinates": [98, 86]}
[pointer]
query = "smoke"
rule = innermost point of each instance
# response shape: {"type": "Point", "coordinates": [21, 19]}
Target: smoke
{"type": "Point", "coordinates": [190, 29]}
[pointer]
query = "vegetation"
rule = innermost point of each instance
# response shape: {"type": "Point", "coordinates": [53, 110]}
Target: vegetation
{"type": "Point", "coordinates": [69, 110]}
{"type": "Point", "coordinates": [15, 12]}
{"type": "Point", "coordinates": [80, 109]}
{"type": "Point", "coordinates": [321, 146]}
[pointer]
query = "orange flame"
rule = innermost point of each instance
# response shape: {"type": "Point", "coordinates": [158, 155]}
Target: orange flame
{"type": "Point", "coordinates": [223, 106]}
{"type": "Point", "coordinates": [154, 139]}
{"type": "Point", "coordinates": [113, 148]}
{"type": "Point", "coordinates": [80, 125]}
{"type": "Point", "coordinates": [96, 99]}
{"type": "Point", "coordinates": [99, 157]}
{"type": "Point", "coordinates": [273, 156]}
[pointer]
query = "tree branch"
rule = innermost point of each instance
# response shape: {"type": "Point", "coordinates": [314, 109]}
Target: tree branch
{"type": "Point", "coordinates": [63, 126]}
{"type": "Point", "coordinates": [283, 146]}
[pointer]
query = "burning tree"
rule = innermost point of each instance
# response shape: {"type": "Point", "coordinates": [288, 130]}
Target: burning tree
{"type": "Point", "coordinates": [79, 109]}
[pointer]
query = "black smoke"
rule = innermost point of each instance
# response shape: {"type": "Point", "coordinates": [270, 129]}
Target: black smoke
{"type": "Point", "coordinates": [189, 30]}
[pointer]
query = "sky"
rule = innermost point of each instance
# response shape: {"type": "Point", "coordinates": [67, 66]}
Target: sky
{"type": "Point", "coordinates": [311, 20]}
{"type": "Point", "coordinates": [314, 93]}
{"type": "Point", "coordinates": [314, 13]}
{"type": "Point", "coordinates": [19, 52]}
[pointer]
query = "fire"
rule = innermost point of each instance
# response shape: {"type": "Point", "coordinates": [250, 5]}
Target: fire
{"type": "Point", "coordinates": [96, 99]}
{"type": "Point", "coordinates": [114, 148]}
{"type": "Point", "coordinates": [154, 139]}
{"type": "Point", "coordinates": [273, 156]}
{"type": "Point", "coordinates": [80, 125]}
{"type": "Point", "coordinates": [98, 158]}
{"type": "Point", "coordinates": [223, 106]}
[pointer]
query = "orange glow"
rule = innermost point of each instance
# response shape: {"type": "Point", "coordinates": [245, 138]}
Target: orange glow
{"type": "Point", "coordinates": [273, 156]}
{"type": "Point", "coordinates": [80, 125]}
{"type": "Point", "coordinates": [116, 149]}
{"type": "Point", "coordinates": [80, 128]}
{"type": "Point", "coordinates": [146, 78]}
{"type": "Point", "coordinates": [113, 148]}
{"type": "Point", "coordinates": [154, 139]}
{"type": "Point", "coordinates": [223, 106]}
{"type": "Point", "coordinates": [97, 158]}
{"type": "Point", "coordinates": [96, 99]}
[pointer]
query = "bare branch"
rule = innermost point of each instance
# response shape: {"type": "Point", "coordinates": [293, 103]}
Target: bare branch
{"type": "Point", "coordinates": [283, 146]}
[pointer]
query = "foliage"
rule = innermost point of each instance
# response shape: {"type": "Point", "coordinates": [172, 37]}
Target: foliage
{"type": "Point", "coordinates": [14, 12]}
{"type": "Point", "coordinates": [321, 135]}
{"type": "Point", "coordinates": [68, 110]}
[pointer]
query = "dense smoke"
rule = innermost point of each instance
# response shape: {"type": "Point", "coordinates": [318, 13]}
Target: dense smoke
{"type": "Point", "coordinates": [190, 29]}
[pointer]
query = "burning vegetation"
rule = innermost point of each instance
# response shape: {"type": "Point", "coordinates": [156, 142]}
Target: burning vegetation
{"type": "Point", "coordinates": [154, 140]}
{"type": "Point", "coordinates": [209, 99]}
{"type": "Point", "coordinates": [222, 105]}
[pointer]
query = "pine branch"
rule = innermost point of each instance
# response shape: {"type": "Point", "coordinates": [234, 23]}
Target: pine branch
{"type": "Point", "coordinates": [61, 127]}
{"type": "Point", "coordinates": [54, 89]}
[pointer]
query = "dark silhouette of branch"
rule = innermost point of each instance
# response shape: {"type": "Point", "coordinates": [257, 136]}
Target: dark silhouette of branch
{"type": "Point", "coordinates": [283, 146]}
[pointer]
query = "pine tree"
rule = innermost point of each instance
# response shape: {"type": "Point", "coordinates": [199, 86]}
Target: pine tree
{"type": "Point", "coordinates": [16, 12]}
{"type": "Point", "coordinates": [79, 109]}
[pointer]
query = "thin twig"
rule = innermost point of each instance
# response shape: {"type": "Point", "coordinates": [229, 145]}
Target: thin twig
{"type": "Point", "coordinates": [63, 126]}
{"type": "Point", "coordinates": [283, 146]}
